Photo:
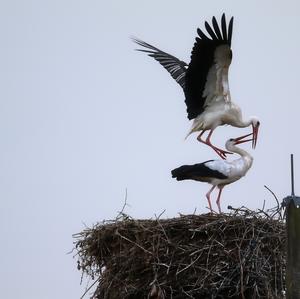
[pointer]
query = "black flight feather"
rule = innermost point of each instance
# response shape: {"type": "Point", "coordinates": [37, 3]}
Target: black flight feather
{"type": "Point", "coordinates": [216, 27]}
{"type": "Point", "coordinates": [196, 172]}
{"type": "Point", "coordinates": [230, 31]}
{"type": "Point", "coordinates": [173, 65]}
{"type": "Point", "coordinates": [224, 29]}
{"type": "Point", "coordinates": [210, 31]}
{"type": "Point", "coordinates": [193, 77]}
{"type": "Point", "coordinates": [202, 59]}
{"type": "Point", "coordinates": [201, 34]}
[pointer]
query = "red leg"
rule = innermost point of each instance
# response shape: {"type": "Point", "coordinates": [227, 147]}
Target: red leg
{"type": "Point", "coordinates": [199, 137]}
{"type": "Point", "coordinates": [218, 199]}
{"type": "Point", "coordinates": [219, 151]}
{"type": "Point", "coordinates": [208, 198]}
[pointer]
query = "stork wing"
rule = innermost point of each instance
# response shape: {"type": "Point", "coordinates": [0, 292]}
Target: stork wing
{"type": "Point", "coordinates": [173, 65]}
{"type": "Point", "coordinates": [200, 171]}
{"type": "Point", "coordinates": [206, 78]}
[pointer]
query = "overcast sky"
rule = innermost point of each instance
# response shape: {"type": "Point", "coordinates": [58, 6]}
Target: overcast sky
{"type": "Point", "coordinates": [83, 117]}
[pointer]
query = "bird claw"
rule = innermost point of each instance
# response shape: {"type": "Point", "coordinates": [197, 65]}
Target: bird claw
{"type": "Point", "coordinates": [221, 153]}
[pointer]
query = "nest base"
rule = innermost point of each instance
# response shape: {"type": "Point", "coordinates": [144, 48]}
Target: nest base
{"type": "Point", "coordinates": [241, 255]}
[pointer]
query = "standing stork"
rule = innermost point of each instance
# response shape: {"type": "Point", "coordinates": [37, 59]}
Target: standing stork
{"type": "Point", "coordinates": [218, 173]}
{"type": "Point", "coordinates": [205, 82]}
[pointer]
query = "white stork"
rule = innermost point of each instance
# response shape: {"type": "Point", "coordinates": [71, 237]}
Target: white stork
{"type": "Point", "coordinates": [205, 82]}
{"type": "Point", "coordinates": [218, 173]}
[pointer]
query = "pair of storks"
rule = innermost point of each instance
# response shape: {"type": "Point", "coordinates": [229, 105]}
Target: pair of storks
{"type": "Point", "coordinates": [207, 97]}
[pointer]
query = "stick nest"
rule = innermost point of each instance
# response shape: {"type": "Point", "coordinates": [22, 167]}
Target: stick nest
{"type": "Point", "coordinates": [236, 255]}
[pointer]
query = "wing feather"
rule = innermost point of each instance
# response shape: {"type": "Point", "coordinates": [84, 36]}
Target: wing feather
{"type": "Point", "coordinates": [173, 65]}
{"type": "Point", "coordinates": [216, 27]}
{"type": "Point", "coordinates": [230, 31]}
{"type": "Point", "coordinates": [210, 31]}
{"type": "Point", "coordinates": [224, 28]}
{"type": "Point", "coordinates": [201, 34]}
{"type": "Point", "coordinates": [199, 172]}
{"type": "Point", "coordinates": [206, 78]}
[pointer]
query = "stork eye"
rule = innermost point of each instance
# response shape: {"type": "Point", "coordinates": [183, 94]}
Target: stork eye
{"type": "Point", "coordinates": [231, 139]}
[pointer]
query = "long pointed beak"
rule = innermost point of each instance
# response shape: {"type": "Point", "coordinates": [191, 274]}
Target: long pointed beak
{"type": "Point", "coordinates": [255, 135]}
{"type": "Point", "coordinates": [242, 139]}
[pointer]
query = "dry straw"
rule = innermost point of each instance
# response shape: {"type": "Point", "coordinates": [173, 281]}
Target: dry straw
{"type": "Point", "coordinates": [236, 255]}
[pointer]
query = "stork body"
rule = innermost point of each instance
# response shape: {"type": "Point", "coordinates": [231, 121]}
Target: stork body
{"type": "Point", "coordinates": [218, 173]}
{"type": "Point", "coordinates": [205, 81]}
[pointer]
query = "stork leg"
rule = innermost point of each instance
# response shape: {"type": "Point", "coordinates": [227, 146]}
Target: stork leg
{"type": "Point", "coordinates": [218, 199]}
{"type": "Point", "coordinates": [208, 197]}
{"type": "Point", "coordinates": [220, 152]}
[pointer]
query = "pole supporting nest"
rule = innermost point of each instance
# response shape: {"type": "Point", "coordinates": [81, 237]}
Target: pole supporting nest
{"type": "Point", "coordinates": [292, 197]}
{"type": "Point", "coordinates": [292, 174]}
{"type": "Point", "coordinates": [292, 204]}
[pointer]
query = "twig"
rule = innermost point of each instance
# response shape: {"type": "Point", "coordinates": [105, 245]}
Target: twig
{"type": "Point", "coordinates": [278, 205]}
{"type": "Point", "coordinates": [88, 289]}
{"type": "Point", "coordinates": [199, 256]}
{"type": "Point", "coordinates": [136, 244]}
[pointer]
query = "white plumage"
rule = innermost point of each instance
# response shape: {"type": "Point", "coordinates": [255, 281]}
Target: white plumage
{"type": "Point", "coordinates": [219, 112]}
{"type": "Point", "coordinates": [218, 173]}
{"type": "Point", "coordinates": [205, 82]}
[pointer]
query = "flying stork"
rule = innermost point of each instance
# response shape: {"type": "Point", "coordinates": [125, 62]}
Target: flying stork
{"type": "Point", "coordinates": [218, 173]}
{"type": "Point", "coordinates": [205, 82]}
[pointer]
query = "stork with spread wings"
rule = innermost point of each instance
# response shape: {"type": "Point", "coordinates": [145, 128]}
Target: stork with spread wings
{"type": "Point", "coordinates": [205, 82]}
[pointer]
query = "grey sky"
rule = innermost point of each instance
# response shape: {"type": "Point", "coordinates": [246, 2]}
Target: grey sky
{"type": "Point", "coordinates": [83, 117]}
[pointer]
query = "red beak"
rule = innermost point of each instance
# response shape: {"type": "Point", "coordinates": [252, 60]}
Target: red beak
{"type": "Point", "coordinates": [255, 134]}
{"type": "Point", "coordinates": [241, 139]}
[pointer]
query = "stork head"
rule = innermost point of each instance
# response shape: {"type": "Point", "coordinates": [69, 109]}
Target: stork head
{"type": "Point", "coordinates": [231, 143]}
{"type": "Point", "coordinates": [239, 140]}
{"type": "Point", "coordinates": [255, 126]}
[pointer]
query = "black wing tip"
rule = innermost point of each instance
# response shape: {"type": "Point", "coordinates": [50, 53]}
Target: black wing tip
{"type": "Point", "coordinates": [224, 16]}
{"type": "Point", "coordinates": [134, 39]}
{"type": "Point", "coordinates": [223, 19]}
{"type": "Point", "coordinates": [216, 32]}
{"type": "Point", "coordinates": [140, 43]}
{"type": "Point", "coordinates": [137, 41]}
{"type": "Point", "coordinates": [226, 30]}
{"type": "Point", "coordinates": [175, 173]}
{"type": "Point", "coordinates": [181, 173]}
{"type": "Point", "coordinates": [230, 26]}
{"type": "Point", "coordinates": [230, 23]}
{"type": "Point", "coordinates": [202, 35]}
{"type": "Point", "coordinates": [149, 48]}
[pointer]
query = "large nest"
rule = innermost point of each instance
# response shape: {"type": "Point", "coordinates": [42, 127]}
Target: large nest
{"type": "Point", "coordinates": [240, 255]}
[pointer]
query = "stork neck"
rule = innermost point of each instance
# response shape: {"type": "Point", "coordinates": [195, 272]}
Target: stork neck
{"type": "Point", "coordinates": [245, 160]}
{"type": "Point", "coordinates": [239, 151]}
{"type": "Point", "coordinates": [243, 123]}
